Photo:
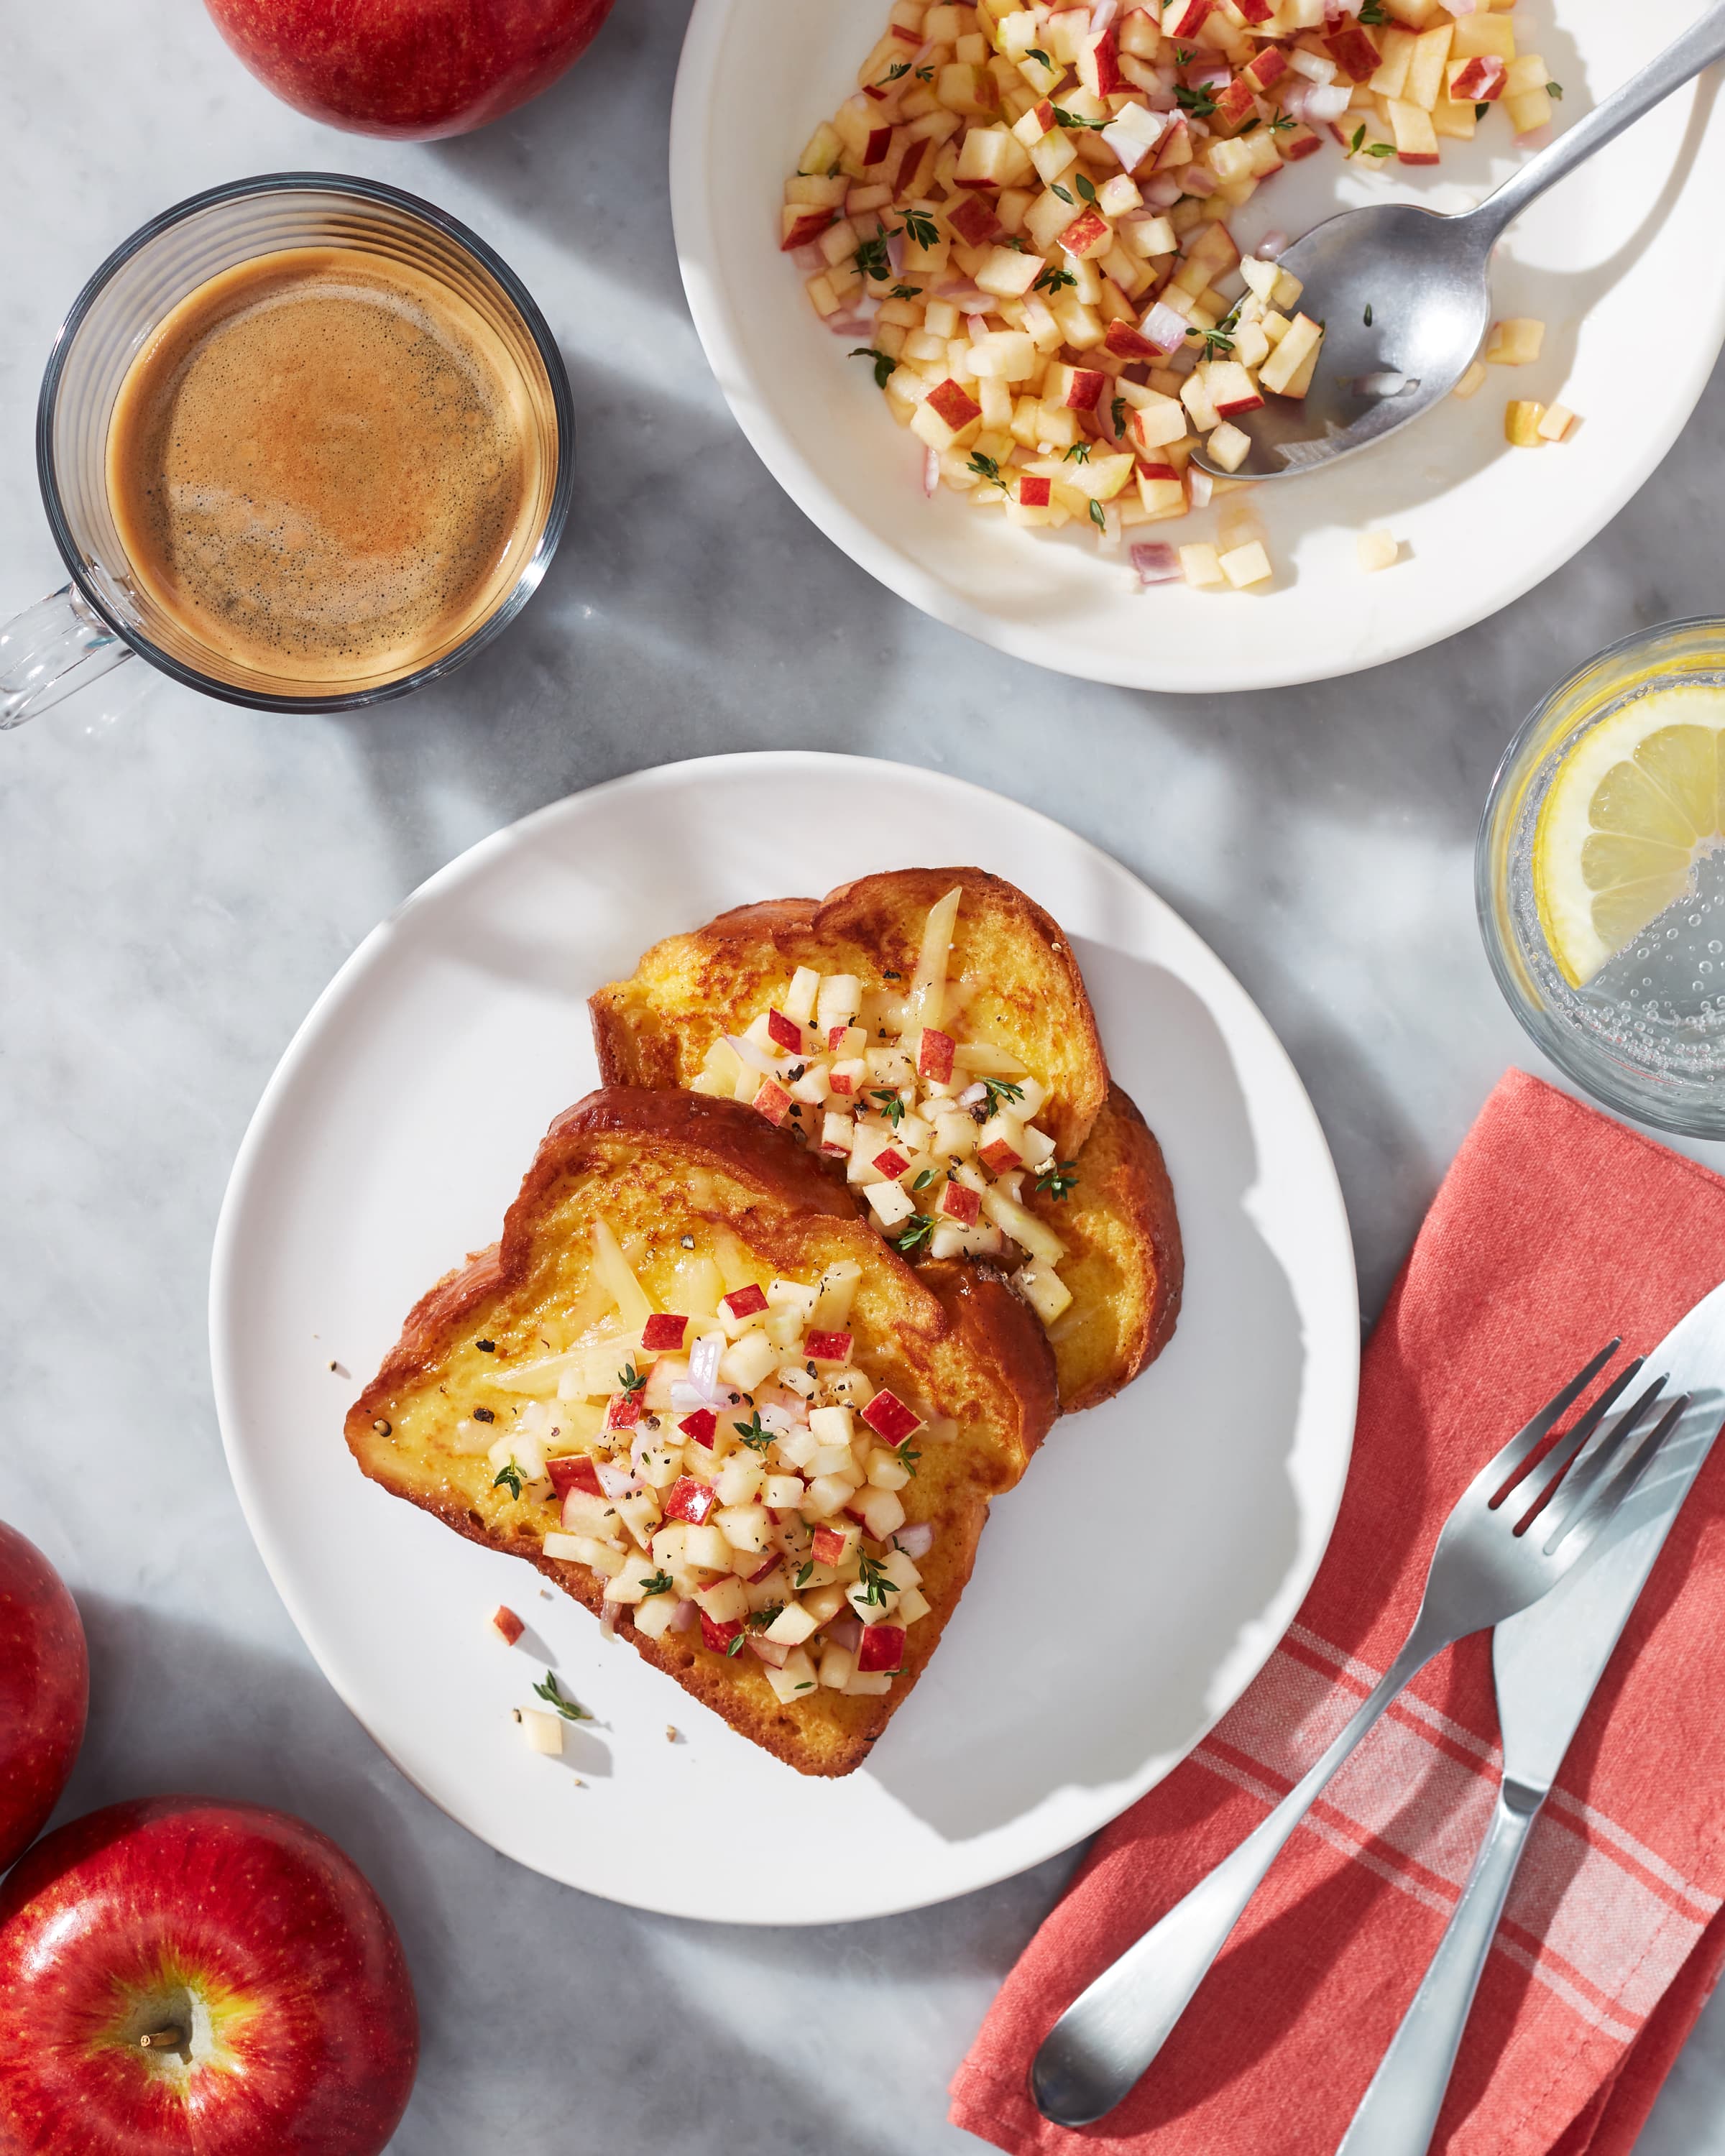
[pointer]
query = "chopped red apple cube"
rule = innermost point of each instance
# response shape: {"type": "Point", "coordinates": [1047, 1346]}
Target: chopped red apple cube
{"type": "Point", "coordinates": [623, 1411]}
{"type": "Point", "coordinates": [959, 1203]}
{"type": "Point", "coordinates": [744, 1302]}
{"type": "Point", "coordinates": [934, 1055]}
{"type": "Point", "coordinates": [718, 1636]}
{"type": "Point", "coordinates": [888, 1417]}
{"type": "Point", "coordinates": [574, 1470]}
{"type": "Point", "coordinates": [699, 1425]}
{"type": "Point", "coordinates": [772, 1100]}
{"type": "Point", "coordinates": [505, 1622]}
{"type": "Point", "coordinates": [833, 1542]}
{"type": "Point", "coordinates": [881, 1647]}
{"type": "Point", "coordinates": [690, 1500]}
{"type": "Point", "coordinates": [829, 1346]}
{"type": "Point", "coordinates": [663, 1332]}
{"type": "Point", "coordinates": [784, 1032]}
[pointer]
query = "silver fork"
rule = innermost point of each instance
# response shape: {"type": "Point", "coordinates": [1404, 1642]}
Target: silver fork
{"type": "Point", "coordinates": [1484, 1567]}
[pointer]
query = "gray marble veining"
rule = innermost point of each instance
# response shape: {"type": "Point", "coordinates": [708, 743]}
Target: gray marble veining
{"type": "Point", "coordinates": [179, 879]}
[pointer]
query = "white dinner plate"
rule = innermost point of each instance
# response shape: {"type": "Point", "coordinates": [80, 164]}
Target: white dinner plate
{"type": "Point", "coordinates": [1627, 248]}
{"type": "Point", "coordinates": [1126, 1593]}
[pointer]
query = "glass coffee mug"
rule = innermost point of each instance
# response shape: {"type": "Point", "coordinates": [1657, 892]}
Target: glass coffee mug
{"type": "Point", "coordinates": [109, 612]}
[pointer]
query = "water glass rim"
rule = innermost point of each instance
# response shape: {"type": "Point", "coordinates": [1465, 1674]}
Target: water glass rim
{"type": "Point", "coordinates": [514, 290]}
{"type": "Point", "coordinates": [1619, 1087]}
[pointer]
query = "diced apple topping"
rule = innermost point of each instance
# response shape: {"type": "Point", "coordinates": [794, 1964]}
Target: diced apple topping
{"type": "Point", "coordinates": [935, 1127]}
{"type": "Point", "coordinates": [728, 1471]}
{"type": "Point", "coordinates": [1019, 219]}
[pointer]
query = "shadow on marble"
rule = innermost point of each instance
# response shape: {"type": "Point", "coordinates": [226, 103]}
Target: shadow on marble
{"type": "Point", "coordinates": [1091, 1716]}
{"type": "Point", "coordinates": [585, 205]}
{"type": "Point", "coordinates": [178, 1706]}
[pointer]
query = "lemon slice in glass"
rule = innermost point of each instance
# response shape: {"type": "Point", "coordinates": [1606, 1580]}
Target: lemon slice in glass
{"type": "Point", "coordinates": [1635, 805]}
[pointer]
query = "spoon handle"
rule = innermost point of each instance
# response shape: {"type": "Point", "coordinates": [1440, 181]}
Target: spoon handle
{"type": "Point", "coordinates": [1703, 43]}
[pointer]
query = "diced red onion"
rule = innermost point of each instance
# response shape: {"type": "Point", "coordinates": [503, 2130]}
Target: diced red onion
{"type": "Point", "coordinates": [972, 1097]}
{"type": "Point", "coordinates": [809, 259]}
{"type": "Point", "coordinates": [1195, 180]}
{"type": "Point", "coordinates": [1385, 385]}
{"type": "Point", "coordinates": [1312, 65]}
{"type": "Point", "coordinates": [931, 472]}
{"type": "Point", "coordinates": [916, 1541]}
{"type": "Point", "coordinates": [1271, 247]}
{"type": "Point", "coordinates": [1213, 74]}
{"type": "Point", "coordinates": [685, 1398]}
{"type": "Point", "coordinates": [1165, 329]}
{"type": "Point", "coordinates": [1326, 101]}
{"type": "Point", "coordinates": [704, 1363]}
{"type": "Point", "coordinates": [965, 297]}
{"type": "Point", "coordinates": [1463, 6]}
{"type": "Point", "coordinates": [1161, 191]}
{"type": "Point", "coordinates": [845, 1632]}
{"type": "Point", "coordinates": [977, 325]}
{"type": "Point", "coordinates": [1160, 101]}
{"type": "Point", "coordinates": [1101, 14]}
{"type": "Point", "coordinates": [686, 1614]}
{"type": "Point", "coordinates": [618, 1481]}
{"type": "Point", "coordinates": [777, 1420]}
{"type": "Point", "coordinates": [1199, 486]}
{"type": "Point", "coordinates": [1293, 101]}
{"type": "Point", "coordinates": [757, 1059]}
{"type": "Point", "coordinates": [1157, 562]}
{"type": "Point", "coordinates": [896, 251]}
{"type": "Point", "coordinates": [849, 325]}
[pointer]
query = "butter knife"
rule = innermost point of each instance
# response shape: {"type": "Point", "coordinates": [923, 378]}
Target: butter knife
{"type": "Point", "coordinates": [1546, 1662]}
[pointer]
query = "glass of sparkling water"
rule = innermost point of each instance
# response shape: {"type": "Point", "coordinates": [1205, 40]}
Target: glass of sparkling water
{"type": "Point", "coordinates": [1641, 1023]}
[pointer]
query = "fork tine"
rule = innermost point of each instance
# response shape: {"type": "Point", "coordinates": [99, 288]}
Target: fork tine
{"type": "Point", "coordinates": [1571, 1442]}
{"type": "Point", "coordinates": [1595, 1514]}
{"type": "Point", "coordinates": [1575, 1490]}
{"type": "Point", "coordinates": [1530, 1434]}
{"type": "Point", "coordinates": [1564, 1454]}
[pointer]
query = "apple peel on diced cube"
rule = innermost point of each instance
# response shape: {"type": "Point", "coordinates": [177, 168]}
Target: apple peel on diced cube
{"type": "Point", "coordinates": [881, 1647]}
{"type": "Point", "coordinates": [888, 1417]}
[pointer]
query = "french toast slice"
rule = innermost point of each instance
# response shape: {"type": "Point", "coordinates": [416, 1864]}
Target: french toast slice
{"type": "Point", "coordinates": [641, 1207]}
{"type": "Point", "coordinates": [727, 1009]}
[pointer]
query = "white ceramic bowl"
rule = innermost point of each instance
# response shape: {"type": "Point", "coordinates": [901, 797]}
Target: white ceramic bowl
{"type": "Point", "coordinates": [1630, 242]}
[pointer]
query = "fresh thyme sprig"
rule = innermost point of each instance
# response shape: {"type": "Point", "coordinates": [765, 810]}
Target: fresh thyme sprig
{"type": "Point", "coordinates": [885, 363]}
{"type": "Point", "coordinates": [570, 1709]}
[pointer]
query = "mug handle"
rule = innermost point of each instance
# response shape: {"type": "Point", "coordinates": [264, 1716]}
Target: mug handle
{"type": "Point", "coordinates": [50, 650]}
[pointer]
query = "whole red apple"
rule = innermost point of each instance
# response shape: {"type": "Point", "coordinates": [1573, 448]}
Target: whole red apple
{"type": "Point", "coordinates": [44, 1691]}
{"type": "Point", "coordinates": [413, 68]}
{"type": "Point", "coordinates": [180, 1974]}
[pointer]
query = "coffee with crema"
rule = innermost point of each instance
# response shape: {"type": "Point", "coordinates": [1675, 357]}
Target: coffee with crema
{"type": "Point", "coordinates": [326, 467]}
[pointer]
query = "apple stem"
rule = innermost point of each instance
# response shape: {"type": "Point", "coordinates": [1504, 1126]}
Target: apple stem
{"type": "Point", "coordinates": [169, 2039]}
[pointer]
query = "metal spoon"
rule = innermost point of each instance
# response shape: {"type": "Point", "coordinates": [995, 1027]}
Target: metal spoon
{"type": "Point", "coordinates": [1423, 280]}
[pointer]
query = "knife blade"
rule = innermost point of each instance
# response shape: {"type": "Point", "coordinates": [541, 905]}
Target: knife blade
{"type": "Point", "coordinates": [1547, 1661]}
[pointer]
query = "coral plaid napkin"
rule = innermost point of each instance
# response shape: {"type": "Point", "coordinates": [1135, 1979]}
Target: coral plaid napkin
{"type": "Point", "coordinates": [1554, 1229]}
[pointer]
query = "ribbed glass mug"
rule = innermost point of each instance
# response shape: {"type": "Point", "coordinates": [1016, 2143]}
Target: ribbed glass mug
{"type": "Point", "coordinates": [105, 615]}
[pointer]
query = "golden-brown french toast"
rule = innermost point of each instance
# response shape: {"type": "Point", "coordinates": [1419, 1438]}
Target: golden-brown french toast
{"type": "Point", "coordinates": [704, 1398]}
{"type": "Point", "coordinates": [928, 1033]}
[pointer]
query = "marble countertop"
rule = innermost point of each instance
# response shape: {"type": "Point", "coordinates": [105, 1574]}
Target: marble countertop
{"type": "Point", "coordinates": [180, 879]}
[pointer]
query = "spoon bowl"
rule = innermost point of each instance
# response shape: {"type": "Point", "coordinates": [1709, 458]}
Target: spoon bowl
{"type": "Point", "coordinates": [1405, 300]}
{"type": "Point", "coordinates": [1403, 294]}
